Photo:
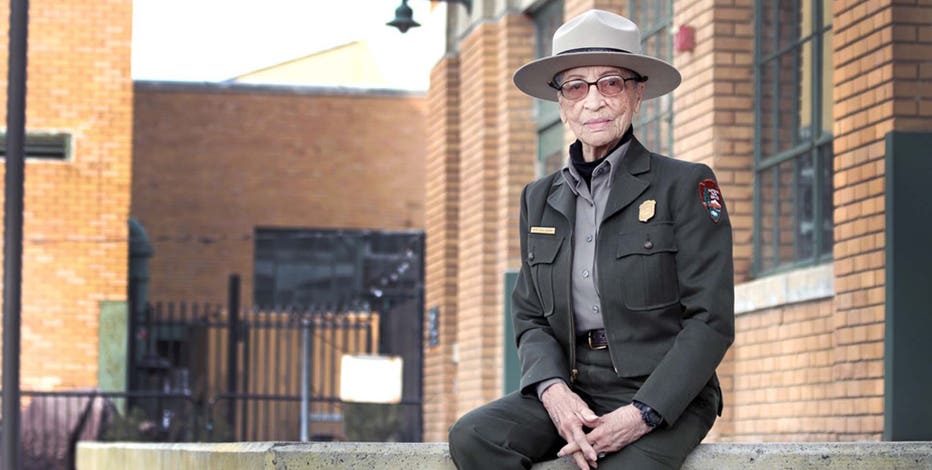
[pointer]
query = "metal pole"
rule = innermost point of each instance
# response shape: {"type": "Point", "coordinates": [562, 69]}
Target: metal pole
{"type": "Point", "coordinates": [305, 376]}
{"type": "Point", "coordinates": [233, 308]}
{"type": "Point", "coordinates": [13, 230]}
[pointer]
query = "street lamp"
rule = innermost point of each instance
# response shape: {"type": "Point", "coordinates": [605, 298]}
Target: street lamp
{"type": "Point", "coordinates": [404, 16]}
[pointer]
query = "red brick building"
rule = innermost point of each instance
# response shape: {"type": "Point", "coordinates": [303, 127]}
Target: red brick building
{"type": "Point", "coordinates": [79, 107]}
{"type": "Point", "coordinates": [214, 162]}
{"type": "Point", "coordinates": [790, 103]}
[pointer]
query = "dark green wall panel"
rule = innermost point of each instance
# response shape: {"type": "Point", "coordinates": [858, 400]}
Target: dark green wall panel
{"type": "Point", "coordinates": [908, 309]}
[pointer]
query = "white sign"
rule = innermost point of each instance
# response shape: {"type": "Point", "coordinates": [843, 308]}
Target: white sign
{"type": "Point", "coordinates": [370, 379]}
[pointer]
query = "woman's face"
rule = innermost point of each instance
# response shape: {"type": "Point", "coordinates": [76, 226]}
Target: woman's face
{"type": "Point", "coordinates": [599, 121]}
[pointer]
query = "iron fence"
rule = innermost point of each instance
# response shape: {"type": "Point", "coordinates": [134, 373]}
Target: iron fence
{"type": "Point", "coordinates": [258, 374]}
{"type": "Point", "coordinates": [210, 372]}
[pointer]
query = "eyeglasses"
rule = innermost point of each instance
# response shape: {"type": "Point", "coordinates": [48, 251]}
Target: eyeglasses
{"type": "Point", "coordinates": [609, 85]}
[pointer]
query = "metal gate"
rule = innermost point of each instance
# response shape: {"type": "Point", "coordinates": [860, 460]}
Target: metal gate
{"type": "Point", "coordinates": [252, 374]}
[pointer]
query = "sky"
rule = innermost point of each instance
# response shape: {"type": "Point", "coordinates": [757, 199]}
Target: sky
{"type": "Point", "coordinates": [214, 40]}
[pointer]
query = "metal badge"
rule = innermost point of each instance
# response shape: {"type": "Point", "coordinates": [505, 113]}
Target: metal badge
{"type": "Point", "coordinates": [544, 230]}
{"type": "Point", "coordinates": [646, 210]}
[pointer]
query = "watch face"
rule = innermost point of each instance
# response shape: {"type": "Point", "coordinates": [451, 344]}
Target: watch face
{"type": "Point", "coordinates": [652, 418]}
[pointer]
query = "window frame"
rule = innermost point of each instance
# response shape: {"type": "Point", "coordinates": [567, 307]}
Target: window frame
{"type": "Point", "coordinates": [815, 145]}
{"type": "Point", "coordinates": [546, 113]}
{"type": "Point", "coordinates": [399, 271]}
{"type": "Point", "coordinates": [42, 146]}
{"type": "Point", "coordinates": [654, 113]}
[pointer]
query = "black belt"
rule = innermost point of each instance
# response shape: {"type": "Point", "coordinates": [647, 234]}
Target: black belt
{"type": "Point", "coordinates": [594, 339]}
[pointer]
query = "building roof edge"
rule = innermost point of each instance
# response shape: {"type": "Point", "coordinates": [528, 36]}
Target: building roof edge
{"type": "Point", "coordinates": [262, 88]}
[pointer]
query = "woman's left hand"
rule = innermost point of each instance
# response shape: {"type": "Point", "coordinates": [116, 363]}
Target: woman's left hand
{"type": "Point", "coordinates": [616, 430]}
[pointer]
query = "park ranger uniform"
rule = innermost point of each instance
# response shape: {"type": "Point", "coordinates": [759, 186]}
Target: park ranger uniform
{"type": "Point", "coordinates": [642, 311]}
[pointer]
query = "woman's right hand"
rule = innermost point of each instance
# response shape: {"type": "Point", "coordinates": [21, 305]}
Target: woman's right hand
{"type": "Point", "coordinates": [570, 414]}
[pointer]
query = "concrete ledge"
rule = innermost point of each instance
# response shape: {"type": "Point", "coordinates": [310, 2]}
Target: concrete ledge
{"type": "Point", "coordinates": [435, 456]}
{"type": "Point", "coordinates": [798, 285]}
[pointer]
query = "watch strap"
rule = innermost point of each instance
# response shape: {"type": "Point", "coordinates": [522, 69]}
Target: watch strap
{"type": "Point", "coordinates": [649, 415]}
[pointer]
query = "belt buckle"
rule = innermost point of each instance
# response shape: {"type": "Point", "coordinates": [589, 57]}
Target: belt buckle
{"type": "Point", "coordinates": [594, 348]}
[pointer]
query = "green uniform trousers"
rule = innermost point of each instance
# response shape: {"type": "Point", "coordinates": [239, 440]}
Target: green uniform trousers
{"type": "Point", "coordinates": [515, 431]}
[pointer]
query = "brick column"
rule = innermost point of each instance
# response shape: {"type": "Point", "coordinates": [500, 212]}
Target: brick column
{"type": "Point", "coordinates": [478, 322]}
{"type": "Point", "coordinates": [572, 8]}
{"type": "Point", "coordinates": [441, 222]}
{"type": "Point", "coordinates": [517, 135]}
{"type": "Point", "coordinates": [713, 109]}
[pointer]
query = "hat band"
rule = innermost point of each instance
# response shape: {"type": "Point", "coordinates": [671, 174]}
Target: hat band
{"type": "Point", "coordinates": [593, 49]}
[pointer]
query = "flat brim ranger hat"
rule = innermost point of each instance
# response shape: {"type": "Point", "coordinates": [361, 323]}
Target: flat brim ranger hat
{"type": "Point", "coordinates": [596, 38]}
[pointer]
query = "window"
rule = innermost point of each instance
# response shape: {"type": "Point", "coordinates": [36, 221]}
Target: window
{"type": "Point", "coordinates": [653, 126]}
{"type": "Point", "coordinates": [302, 268]}
{"type": "Point", "coordinates": [793, 139]}
{"type": "Point", "coordinates": [50, 146]}
{"type": "Point", "coordinates": [551, 153]}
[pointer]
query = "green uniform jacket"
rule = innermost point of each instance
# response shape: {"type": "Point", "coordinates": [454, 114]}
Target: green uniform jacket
{"type": "Point", "coordinates": [666, 285]}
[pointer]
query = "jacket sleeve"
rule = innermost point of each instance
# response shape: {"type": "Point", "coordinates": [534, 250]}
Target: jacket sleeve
{"type": "Point", "coordinates": [705, 272]}
{"type": "Point", "coordinates": [540, 353]}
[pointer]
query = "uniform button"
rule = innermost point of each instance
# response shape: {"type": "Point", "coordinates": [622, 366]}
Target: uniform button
{"type": "Point", "coordinates": [648, 244]}
{"type": "Point", "coordinates": [585, 273]}
{"type": "Point", "coordinates": [589, 238]}
{"type": "Point", "coordinates": [595, 308]}
{"type": "Point", "coordinates": [530, 256]}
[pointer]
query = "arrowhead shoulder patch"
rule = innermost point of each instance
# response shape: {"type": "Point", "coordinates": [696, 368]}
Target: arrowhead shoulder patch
{"type": "Point", "coordinates": [711, 198]}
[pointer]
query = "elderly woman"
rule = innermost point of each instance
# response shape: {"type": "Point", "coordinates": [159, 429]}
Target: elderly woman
{"type": "Point", "coordinates": [624, 304]}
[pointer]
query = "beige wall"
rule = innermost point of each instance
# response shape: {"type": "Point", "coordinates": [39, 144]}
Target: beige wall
{"type": "Point", "coordinates": [347, 64]}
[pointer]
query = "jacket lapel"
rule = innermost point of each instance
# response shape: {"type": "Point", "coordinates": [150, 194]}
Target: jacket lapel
{"type": "Point", "coordinates": [627, 187]}
{"type": "Point", "coordinates": [561, 198]}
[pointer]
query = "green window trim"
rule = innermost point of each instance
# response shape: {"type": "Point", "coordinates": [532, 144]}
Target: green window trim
{"type": "Point", "coordinates": [653, 126]}
{"type": "Point", "coordinates": [551, 153]}
{"type": "Point", "coordinates": [793, 140]}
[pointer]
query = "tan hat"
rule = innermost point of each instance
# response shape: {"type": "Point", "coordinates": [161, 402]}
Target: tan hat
{"type": "Point", "coordinates": [596, 38]}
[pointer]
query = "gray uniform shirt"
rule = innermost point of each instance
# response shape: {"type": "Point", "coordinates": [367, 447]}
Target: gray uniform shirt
{"type": "Point", "coordinates": [590, 206]}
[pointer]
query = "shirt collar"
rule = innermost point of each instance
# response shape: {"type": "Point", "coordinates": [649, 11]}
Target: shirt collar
{"type": "Point", "coordinates": [572, 177]}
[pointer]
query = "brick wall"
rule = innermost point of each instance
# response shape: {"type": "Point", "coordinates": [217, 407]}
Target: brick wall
{"type": "Point", "coordinates": [478, 328]}
{"type": "Point", "coordinates": [75, 221]}
{"type": "Point", "coordinates": [882, 68]}
{"type": "Point", "coordinates": [213, 162]}
{"type": "Point", "coordinates": [495, 148]}
{"type": "Point", "coordinates": [863, 114]}
{"type": "Point", "coordinates": [517, 152]}
{"type": "Point", "coordinates": [780, 376]}
{"type": "Point", "coordinates": [806, 370]}
{"type": "Point", "coordinates": [441, 224]}
{"type": "Point", "coordinates": [814, 371]}
{"type": "Point", "coordinates": [573, 8]}
{"type": "Point", "coordinates": [713, 107]}
{"type": "Point", "coordinates": [713, 123]}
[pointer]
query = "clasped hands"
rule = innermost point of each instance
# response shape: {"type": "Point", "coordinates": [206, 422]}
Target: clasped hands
{"type": "Point", "coordinates": [608, 433]}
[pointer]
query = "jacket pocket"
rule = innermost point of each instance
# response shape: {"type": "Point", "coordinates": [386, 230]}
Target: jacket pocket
{"type": "Point", "coordinates": [647, 260]}
{"type": "Point", "coordinates": [541, 253]}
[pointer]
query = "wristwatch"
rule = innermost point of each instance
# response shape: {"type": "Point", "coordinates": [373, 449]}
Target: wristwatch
{"type": "Point", "coordinates": [651, 418]}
